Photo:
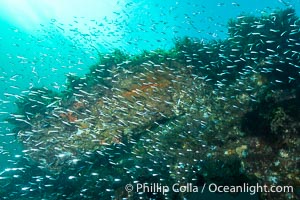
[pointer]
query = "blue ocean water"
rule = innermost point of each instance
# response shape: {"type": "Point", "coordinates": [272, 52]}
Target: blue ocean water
{"type": "Point", "coordinates": [41, 42]}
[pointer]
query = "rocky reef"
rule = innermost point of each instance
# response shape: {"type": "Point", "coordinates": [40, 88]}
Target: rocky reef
{"type": "Point", "coordinates": [224, 112]}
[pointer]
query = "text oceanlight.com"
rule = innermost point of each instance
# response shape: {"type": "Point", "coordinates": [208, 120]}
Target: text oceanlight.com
{"type": "Point", "coordinates": [251, 189]}
{"type": "Point", "coordinates": [212, 187]}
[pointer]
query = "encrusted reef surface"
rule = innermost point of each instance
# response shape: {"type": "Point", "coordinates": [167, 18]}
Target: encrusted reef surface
{"type": "Point", "coordinates": [224, 112]}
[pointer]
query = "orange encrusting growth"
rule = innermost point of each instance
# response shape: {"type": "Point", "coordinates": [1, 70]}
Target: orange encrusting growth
{"type": "Point", "coordinates": [69, 116]}
{"type": "Point", "coordinates": [144, 88]}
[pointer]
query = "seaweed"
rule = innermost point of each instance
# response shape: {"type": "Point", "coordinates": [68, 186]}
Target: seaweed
{"type": "Point", "coordinates": [221, 111]}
